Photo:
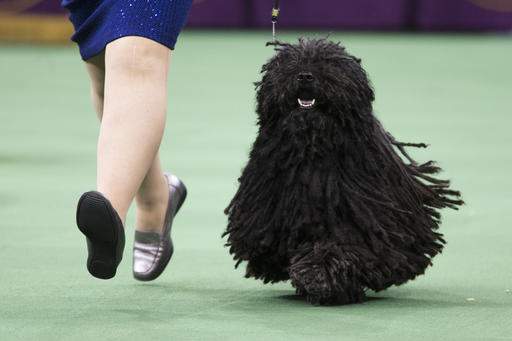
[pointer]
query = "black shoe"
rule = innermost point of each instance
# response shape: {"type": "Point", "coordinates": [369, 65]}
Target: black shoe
{"type": "Point", "coordinates": [100, 223]}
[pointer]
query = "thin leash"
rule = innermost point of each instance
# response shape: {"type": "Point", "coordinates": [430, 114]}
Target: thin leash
{"type": "Point", "coordinates": [275, 16]}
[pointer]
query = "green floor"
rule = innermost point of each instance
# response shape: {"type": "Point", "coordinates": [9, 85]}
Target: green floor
{"type": "Point", "coordinates": [454, 92]}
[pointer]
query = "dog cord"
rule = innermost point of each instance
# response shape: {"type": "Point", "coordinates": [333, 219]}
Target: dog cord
{"type": "Point", "coordinates": [275, 15]}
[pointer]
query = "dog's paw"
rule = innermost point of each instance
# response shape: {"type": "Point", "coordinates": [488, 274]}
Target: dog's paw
{"type": "Point", "coordinates": [325, 281]}
{"type": "Point", "coordinates": [318, 289]}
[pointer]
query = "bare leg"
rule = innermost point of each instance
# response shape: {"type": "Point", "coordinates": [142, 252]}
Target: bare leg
{"type": "Point", "coordinates": [152, 195]}
{"type": "Point", "coordinates": [96, 69]}
{"type": "Point", "coordinates": [129, 86]}
{"type": "Point", "coordinates": [152, 199]}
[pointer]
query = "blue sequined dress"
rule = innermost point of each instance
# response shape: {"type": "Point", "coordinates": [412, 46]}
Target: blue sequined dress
{"type": "Point", "coordinates": [98, 22]}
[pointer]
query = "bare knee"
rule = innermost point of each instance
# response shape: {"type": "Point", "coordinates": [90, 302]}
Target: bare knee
{"type": "Point", "coordinates": [137, 57]}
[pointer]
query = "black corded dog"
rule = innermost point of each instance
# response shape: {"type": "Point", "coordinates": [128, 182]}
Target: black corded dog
{"type": "Point", "coordinates": [325, 199]}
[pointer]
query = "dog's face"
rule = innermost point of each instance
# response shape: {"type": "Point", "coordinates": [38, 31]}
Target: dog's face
{"type": "Point", "coordinates": [313, 74]}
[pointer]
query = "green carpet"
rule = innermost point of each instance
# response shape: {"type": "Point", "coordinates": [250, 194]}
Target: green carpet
{"type": "Point", "coordinates": [454, 92]}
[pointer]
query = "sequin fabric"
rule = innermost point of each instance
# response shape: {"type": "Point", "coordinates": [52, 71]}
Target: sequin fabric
{"type": "Point", "coordinates": [98, 22]}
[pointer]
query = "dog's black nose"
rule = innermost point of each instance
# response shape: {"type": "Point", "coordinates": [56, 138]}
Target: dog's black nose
{"type": "Point", "coordinates": [305, 77]}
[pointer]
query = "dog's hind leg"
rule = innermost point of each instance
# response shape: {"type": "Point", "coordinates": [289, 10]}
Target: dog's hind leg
{"type": "Point", "coordinates": [324, 275]}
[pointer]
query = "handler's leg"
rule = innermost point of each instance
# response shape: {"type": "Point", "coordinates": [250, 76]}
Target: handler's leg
{"type": "Point", "coordinates": [152, 199]}
{"type": "Point", "coordinates": [133, 119]}
{"type": "Point", "coordinates": [152, 196]}
{"type": "Point", "coordinates": [96, 69]}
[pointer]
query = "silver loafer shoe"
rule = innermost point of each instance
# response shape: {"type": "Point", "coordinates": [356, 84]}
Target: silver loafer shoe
{"type": "Point", "coordinates": [152, 251]}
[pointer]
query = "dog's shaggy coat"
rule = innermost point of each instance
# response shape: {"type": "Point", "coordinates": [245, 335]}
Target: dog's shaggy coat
{"type": "Point", "coordinates": [329, 199]}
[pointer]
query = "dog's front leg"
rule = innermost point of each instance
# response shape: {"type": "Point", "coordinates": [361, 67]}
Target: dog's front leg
{"type": "Point", "coordinates": [325, 275]}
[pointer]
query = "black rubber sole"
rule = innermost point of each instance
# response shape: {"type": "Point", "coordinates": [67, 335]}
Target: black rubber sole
{"type": "Point", "coordinates": [103, 229]}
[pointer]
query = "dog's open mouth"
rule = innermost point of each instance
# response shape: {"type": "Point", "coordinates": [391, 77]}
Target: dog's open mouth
{"type": "Point", "coordinates": [306, 103]}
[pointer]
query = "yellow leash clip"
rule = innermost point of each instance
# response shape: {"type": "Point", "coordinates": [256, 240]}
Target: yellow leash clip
{"type": "Point", "coordinates": [275, 15]}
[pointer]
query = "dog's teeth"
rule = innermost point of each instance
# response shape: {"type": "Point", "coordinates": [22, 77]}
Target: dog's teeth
{"type": "Point", "coordinates": [306, 103]}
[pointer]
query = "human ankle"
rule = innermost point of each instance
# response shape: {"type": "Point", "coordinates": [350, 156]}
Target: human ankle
{"type": "Point", "coordinates": [150, 218]}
